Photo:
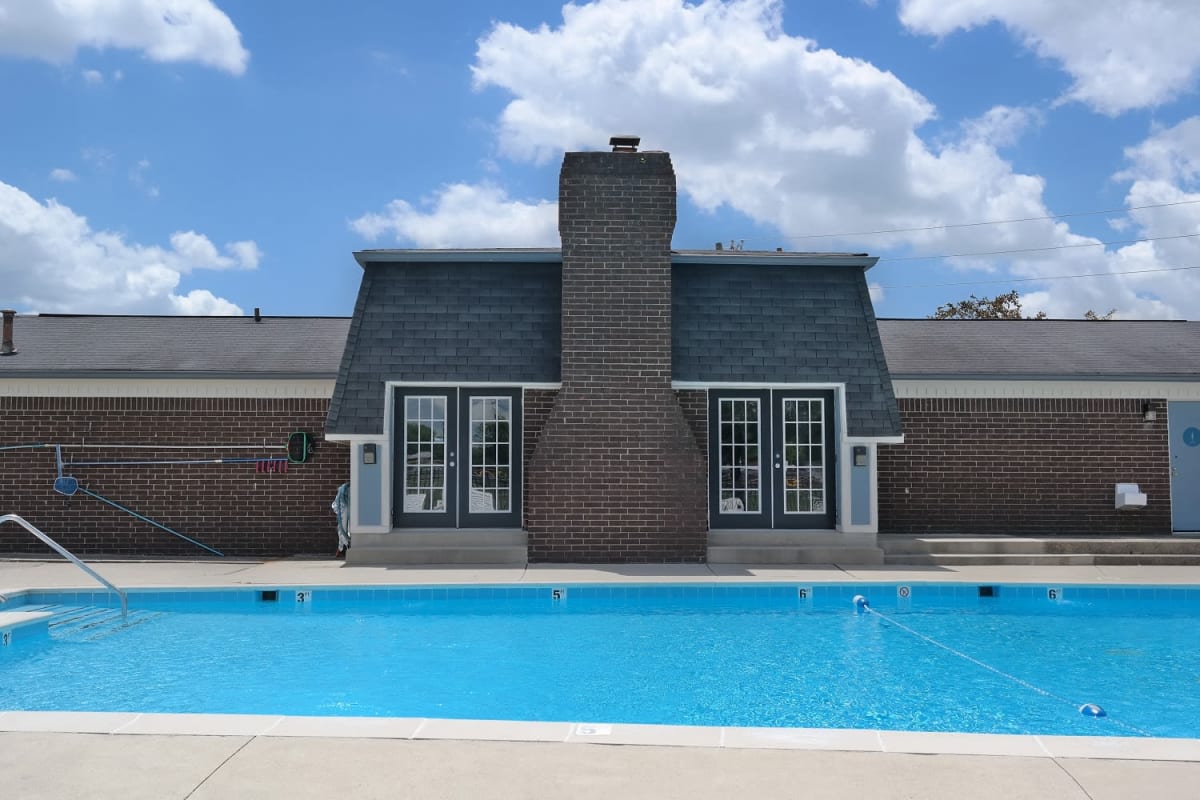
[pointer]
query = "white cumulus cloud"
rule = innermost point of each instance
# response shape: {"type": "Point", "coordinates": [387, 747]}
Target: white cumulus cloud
{"type": "Point", "coordinates": [92, 77]}
{"type": "Point", "coordinates": [1120, 54]}
{"type": "Point", "coordinates": [1163, 173]}
{"type": "Point", "coordinates": [62, 175]}
{"type": "Point", "coordinates": [755, 119]}
{"type": "Point", "coordinates": [52, 260]}
{"type": "Point", "coordinates": [788, 133]}
{"type": "Point", "coordinates": [164, 30]}
{"type": "Point", "coordinates": [465, 215]}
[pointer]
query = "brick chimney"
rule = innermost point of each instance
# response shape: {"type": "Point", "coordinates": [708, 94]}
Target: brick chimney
{"type": "Point", "coordinates": [6, 345]}
{"type": "Point", "coordinates": [616, 474]}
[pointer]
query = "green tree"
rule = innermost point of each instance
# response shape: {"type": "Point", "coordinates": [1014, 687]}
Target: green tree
{"type": "Point", "coordinates": [1002, 306]}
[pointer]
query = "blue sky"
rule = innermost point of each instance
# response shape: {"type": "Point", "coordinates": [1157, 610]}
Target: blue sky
{"type": "Point", "coordinates": [210, 156]}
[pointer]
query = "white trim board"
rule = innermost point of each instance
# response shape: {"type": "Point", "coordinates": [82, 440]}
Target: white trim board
{"type": "Point", "coordinates": [1106, 390]}
{"type": "Point", "coordinates": [167, 387]}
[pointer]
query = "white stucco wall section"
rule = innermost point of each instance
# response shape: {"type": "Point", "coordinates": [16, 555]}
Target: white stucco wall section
{"type": "Point", "coordinates": [1096, 389]}
{"type": "Point", "coordinates": [263, 388]}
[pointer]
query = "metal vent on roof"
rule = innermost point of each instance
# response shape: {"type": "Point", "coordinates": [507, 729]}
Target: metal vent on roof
{"type": "Point", "coordinates": [625, 144]}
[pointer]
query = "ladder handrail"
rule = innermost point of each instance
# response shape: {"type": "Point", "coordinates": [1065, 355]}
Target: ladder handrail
{"type": "Point", "coordinates": [62, 551]}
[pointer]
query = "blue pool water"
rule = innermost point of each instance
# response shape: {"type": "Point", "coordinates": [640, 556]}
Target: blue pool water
{"type": "Point", "coordinates": [695, 655]}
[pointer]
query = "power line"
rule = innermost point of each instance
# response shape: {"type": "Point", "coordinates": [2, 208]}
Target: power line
{"type": "Point", "coordinates": [1028, 280]}
{"type": "Point", "coordinates": [987, 222]}
{"type": "Point", "coordinates": [1041, 249]}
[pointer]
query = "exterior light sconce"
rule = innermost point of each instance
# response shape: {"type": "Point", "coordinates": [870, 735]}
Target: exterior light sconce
{"type": "Point", "coordinates": [1148, 413]}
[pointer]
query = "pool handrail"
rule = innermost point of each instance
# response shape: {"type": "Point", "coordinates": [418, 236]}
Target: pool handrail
{"type": "Point", "coordinates": [62, 551]}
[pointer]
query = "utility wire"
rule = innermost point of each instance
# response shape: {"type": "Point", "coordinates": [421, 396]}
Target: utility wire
{"type": "Point", "coordinates": [1041, 249]}
{"type": "Point", "coordinates": [987, 222]}
{"type": "Point", "coordinates": [1028, 280]}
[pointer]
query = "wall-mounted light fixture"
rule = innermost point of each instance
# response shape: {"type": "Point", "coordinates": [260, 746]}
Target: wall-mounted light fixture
{"type": "Point", "coordinates": [1148, 412]}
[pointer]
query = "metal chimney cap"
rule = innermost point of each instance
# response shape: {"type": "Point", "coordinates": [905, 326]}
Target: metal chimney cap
{"type": "Point", "coordinates": [625, 144]}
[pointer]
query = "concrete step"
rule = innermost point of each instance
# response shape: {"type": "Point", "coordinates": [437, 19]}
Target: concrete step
{"type": "Point", "coordinates": [415, 554]}
{"type": "Point", "coordinates": [475, 546]}
{"type": "Point", "coordinates": [895, 545]}
{"type": "Point", "coordinates": [448, 537]}
{"type": "Point", "coordinates": [759, 538]}
{"type": "Point", "coordinates": [1040, 559]}
{"type": "Point", "coordinates": [793, 554]}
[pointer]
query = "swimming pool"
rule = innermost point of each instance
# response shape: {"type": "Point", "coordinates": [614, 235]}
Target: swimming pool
{"type": "Point", "coordinates": [730, 655]}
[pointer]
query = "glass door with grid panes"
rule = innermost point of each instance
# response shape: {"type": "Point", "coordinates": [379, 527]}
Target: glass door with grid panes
{"type": "Point", "coordinates": [459, 458]}
{"type": "Point", "coordinates": [771, 459]}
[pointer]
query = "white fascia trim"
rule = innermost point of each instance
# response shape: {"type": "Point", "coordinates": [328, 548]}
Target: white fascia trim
{"type": "Point", "coordinates": [873, 440]}
{"type": "Point", "coordinates": [168, 387]}
{"type": "Point", "coordinates": [473, 384]}
{"type": "Point", "coordinates": [1046, 389]}
{"type": "Point", "coordinates": [734, 258]}
{"type": "Point", "coordinates": [752, 385]}
{"type": "Point", "coordinates": [507, 255]}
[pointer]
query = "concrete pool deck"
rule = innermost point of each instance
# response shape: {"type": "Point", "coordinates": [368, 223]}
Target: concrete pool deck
{"type": "Point", "coordinates": [66, 755]}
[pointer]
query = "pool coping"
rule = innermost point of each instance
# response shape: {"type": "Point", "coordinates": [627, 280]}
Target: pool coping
{"type": "Point", "coordinates": [600, 733]}
{"type": "Point", "coordinates": [299, 573]}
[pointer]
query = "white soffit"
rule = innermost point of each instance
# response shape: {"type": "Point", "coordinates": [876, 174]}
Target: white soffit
{"type": "Point", "coordinates": [1099, 389]}
{"type": "Point", "coordinates": [166, 387]}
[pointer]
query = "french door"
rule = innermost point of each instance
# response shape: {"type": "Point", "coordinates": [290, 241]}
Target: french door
{"type": "Point", "coordinates": [771, 459]}
{"type": "Point", "coordinates": [458, 458]}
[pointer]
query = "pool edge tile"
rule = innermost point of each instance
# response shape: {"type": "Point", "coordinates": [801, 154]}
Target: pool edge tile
{"type": "Point", "coordinates": [803, 739]}
{"type": "Point", "coordinates": [659, 735]}
{"type": "Point", "coordinates": [65, 721]}
{"type": "Point", "coordinates": [961, 744]}
{"type": "Point", "coordinates": [493, 730]}
{"type": "Point", "coordinates": [202, 724]}
{"type": "Point", "coordinates": [347, 727]}
{"type": "Point", "coordinates": [1125, 748]}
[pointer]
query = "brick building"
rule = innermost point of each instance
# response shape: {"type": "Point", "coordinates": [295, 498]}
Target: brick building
{"type": "Point", "coordinates": [140, 409]}
{"type": "Point", "coordinates": [1026, 427]}
{"type": "Point", "coordinates": [613, 400]}
{"type": "Point", "coordinates": [610, 401]}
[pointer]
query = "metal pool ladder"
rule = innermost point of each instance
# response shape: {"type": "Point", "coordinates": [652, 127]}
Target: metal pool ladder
{"type": "Point", "coordinates": [62, 551]}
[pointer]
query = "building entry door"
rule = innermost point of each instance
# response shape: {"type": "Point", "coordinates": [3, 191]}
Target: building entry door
{"type": "Point", "coordinates": [771, 458]}
{"type": "Point", "coordinates": [458, 458]}
{"type": "Point", "coordinates": [1183, 423]}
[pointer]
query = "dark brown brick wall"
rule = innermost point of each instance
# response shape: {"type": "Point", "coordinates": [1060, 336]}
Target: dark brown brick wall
{"type": "Point", "coordinates": [616, 474]}
{"type": "Point", "coordinates": [230, 507]}
{"type": "Point", "coordinates": [694, 403]}
{"type": "Point", "coordinates": [1024, 466]}
{"type": "Point", "coordinates": [536, 410]}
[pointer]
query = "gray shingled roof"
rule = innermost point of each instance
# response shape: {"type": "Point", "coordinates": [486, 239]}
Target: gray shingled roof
{"type": "Point", "coordinates": [1077, 349]}
{"type": "Point", "coordinates": [58, 345]}
{"type": "Point", "coordinates": [761, 324]}
{"type": "Point", "coordinates": [446, 322]}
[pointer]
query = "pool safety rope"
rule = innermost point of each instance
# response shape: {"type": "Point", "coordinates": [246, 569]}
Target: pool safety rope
{"type": "Point", "coordinates": [862, 605]}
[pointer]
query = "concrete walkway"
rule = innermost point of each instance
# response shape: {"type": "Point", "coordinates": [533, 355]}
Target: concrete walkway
{"type": "Point", "coordinates": [60, 766]}
{"type": "Point", "coordinates": [131, 757]}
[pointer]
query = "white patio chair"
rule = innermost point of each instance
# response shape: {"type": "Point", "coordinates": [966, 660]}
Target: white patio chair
{"type": "Point", "coordinates": [482, 501]}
